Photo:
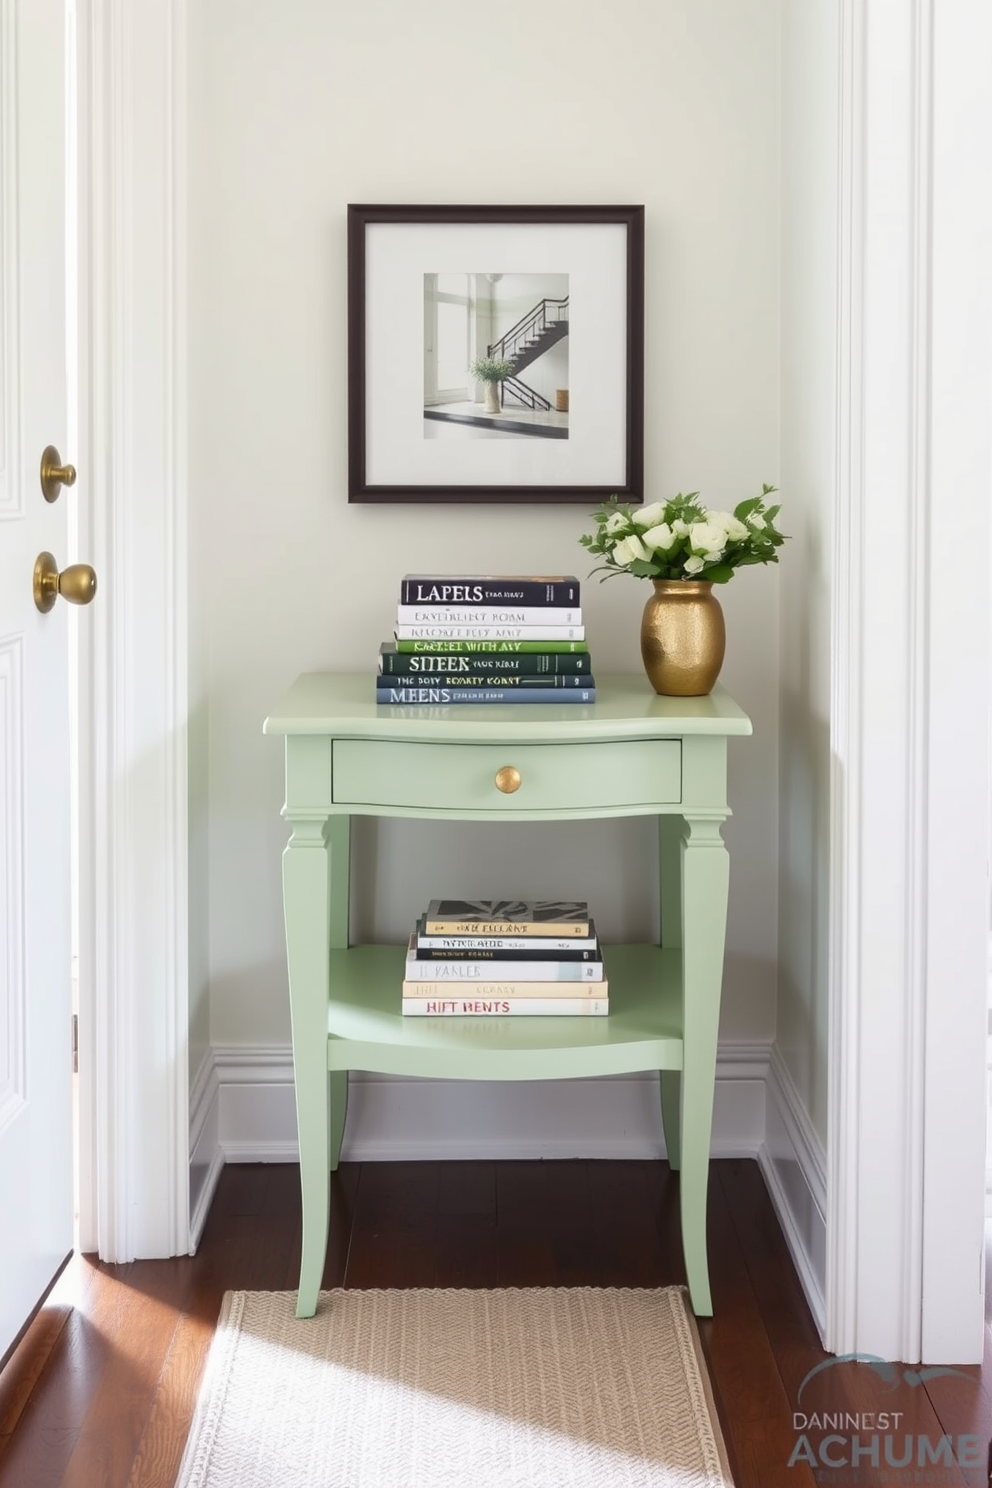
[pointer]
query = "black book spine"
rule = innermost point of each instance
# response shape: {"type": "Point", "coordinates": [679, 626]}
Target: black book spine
{"type": "Point", "coordinates": [550, 592]}
{"type": "Point", "coordinates": [518, 664]}
{"type": "Point", "coordinates": [507, 957]}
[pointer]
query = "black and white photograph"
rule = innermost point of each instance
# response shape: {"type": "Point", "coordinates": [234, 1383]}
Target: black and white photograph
{"type": "Point", "coordinates": [496, 356]}
{"type": "Point", "coordinates": [495, 353]}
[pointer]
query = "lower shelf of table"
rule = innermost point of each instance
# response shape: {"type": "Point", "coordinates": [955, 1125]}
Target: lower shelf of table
{"type": "Point", "coordinates": [642, 1031]}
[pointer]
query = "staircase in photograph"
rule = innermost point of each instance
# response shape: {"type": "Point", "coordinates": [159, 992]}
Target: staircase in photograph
{"type": "Point", "coordinates": [533, 335]}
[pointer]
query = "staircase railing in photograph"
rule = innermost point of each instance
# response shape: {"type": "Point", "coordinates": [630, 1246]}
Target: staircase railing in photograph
{"type": "Point", "coordinates": [524, 394]}
{"type": "Point", "coordinates": [533, 334]}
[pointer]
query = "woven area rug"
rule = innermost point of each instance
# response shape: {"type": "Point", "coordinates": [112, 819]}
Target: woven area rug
{"type": "Point", "coordinates": [451, 1388]}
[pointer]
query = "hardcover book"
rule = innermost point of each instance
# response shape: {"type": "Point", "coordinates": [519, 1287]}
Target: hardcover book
{"type": "Point", "coordinates": [503, 1007]}
{"type": "Point", "coordinates": [472, 646]}
{"type": "Point", "coordinates": [509, 948]}
{"type": "Point", "coordinates": [488, 615]}
{"type": "Point", "coordinates": [394, 695]}
{"type": "Point", "coordinates": [529, 589]}
{"type": "Point", "coordinates": [565, 917]}
{"type": "Point", "coordinates": [407, 632]}
{"type": "Point", "coordinates": [394, 662]}
{"type": "Point", "coordinates": [552, 991]}
{"type": "Point", "coordinates": [555, 681]}
{"type": "Point", "coordinates": [524, 971]}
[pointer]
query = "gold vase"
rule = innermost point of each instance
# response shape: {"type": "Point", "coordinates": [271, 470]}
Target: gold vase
{"type": "Point", "coordinates": [683, 637]}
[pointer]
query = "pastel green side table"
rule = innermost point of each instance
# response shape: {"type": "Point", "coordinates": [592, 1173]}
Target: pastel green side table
{"type": "Point", "coordinates": [631, 753]}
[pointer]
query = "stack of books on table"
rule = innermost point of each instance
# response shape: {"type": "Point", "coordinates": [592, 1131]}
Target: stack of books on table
{"type": "Point", "coordinates": [505, 957]}
{"type": "Point", "coordinates": [475, 638]}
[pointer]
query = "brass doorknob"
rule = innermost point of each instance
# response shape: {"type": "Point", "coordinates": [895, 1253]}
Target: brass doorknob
{"type": "Point", "coordinates": [54, 475]}
{"type": "Point", "coordinates": [77, 583]}
{"type": "Point", "coordinates": [507, 780]}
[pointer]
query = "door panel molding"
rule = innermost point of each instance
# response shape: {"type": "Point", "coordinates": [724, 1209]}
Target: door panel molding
{"type": "Point", "coordinates": [134, 1197]}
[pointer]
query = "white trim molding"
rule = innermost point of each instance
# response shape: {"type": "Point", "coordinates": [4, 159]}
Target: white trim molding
{"type": "Point", "coordinates": [909, 713]}
{"type": "Point", "coordinates": [243, 1111]}
{"type": "Point", "coordinates": [794, 1166]}
{"type": "Point", "coordinates": [132, 727]}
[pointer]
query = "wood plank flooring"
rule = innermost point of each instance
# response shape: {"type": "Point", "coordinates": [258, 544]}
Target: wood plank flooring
{"type": "Point", "coordinates": [101, 1390]}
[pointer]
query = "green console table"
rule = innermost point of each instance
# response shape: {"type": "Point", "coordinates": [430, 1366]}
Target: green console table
{"type": "Point", "coordinates": [631, 753]}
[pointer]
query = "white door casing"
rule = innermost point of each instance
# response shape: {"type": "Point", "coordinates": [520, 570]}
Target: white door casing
{"type": "Point", "coordinates": [36, 1212]}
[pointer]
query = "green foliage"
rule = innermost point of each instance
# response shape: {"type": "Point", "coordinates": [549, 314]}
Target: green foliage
{"type": "Point", "coordinates": [491, 369]}
{"type": "Point", "coordinates": [682, 539]}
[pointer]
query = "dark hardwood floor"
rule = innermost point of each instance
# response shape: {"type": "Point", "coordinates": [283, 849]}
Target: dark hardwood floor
{"type": "Point", "coordinates": [100, 1392]}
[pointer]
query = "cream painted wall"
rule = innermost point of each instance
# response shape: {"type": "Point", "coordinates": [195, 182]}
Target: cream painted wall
{"type": "Point", "coordinates": [810, 45]}
{"type": "Point", "coordinates": [300, 108]}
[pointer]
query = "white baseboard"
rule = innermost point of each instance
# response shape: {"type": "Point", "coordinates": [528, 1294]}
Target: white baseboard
{"type": "Point", "coordinates": [242, 1110]}
{"type": "Point", "coordinates": [793, 1163]}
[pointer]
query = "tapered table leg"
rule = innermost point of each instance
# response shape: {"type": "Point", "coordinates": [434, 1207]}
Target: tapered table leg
{"type": "Point", "coordinates": [705, 882]}
{"type": "Point", "coordinates": [306, 897]}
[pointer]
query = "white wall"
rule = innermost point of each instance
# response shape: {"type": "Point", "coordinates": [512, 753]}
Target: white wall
{"type": "Point", "coordinates": [300, 108]}
{"type": "Point", "coordinates": [810, 43]}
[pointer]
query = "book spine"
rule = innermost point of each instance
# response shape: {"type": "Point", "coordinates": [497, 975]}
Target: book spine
{"type": "Point", "coordinates": [392, 695]}
{"type": "Point", "coordinates": [567, 929]}
{"type": "Point", "coordinates": [488, 615]}
{"type": "Point", "coordinates": [473, 646]}
{"type": "Point", "coordinates": [508, 680]}
{"type": "Point", "coordinates": [519, 664]}
{"type": "Point", "coordinates": [406, 632]}
{"type": "Point", "coordinates": [415, 589]}
{"type": "Point", "coordinates": [504, 1007]}
{"type": "Point", "coordinates": [521, 971]}
{"type": "Point", "coordinates": [501, 948]}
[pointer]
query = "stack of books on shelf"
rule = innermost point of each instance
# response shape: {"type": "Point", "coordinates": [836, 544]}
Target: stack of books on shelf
{"type": "Point", "coordinates": [476, 638]}
{"type": "Point", "coordinates": [505, 957]}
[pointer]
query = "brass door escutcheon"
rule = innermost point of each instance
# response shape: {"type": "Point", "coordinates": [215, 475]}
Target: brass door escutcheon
{"type": "Point", "coordinates": [54, 475]}
{"type": "Point", "coordinates": [77, 583]}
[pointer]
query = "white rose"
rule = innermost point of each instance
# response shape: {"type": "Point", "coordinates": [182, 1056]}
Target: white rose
{"type": "Point", "coordinates": [661, 537]}
{"type": "Point", "coordinates": [758, 523]}
{"type": "Point", "coordinates": [707, 539]}
{"type": "Point", "coordinates": [693, 565]}
{"type": "Point", "coordinates": [680, 528]}
{"type": "Point", "coordinates": [734, 529]}
{"type": "Point", "coordinates": [629, 548]}
{"type": "Point", "coordinates": [615, 522]}
{"type": "Point", "coordinates": [649, 516]}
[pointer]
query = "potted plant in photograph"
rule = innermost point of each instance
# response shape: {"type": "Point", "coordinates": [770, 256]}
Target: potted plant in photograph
{"type": "Point", "coordinates": [491, 371]}
{"type": "Point", "coordinates": [684, 548]}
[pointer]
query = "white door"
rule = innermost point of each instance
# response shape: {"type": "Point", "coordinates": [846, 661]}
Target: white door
{"type": "Point", "coordinates": [36, 1215]}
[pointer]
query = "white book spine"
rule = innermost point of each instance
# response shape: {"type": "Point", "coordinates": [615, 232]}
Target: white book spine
{"type": "Point", "coordinates": [408, 632]}
{"type": "Point", "coordinates": [482, 943]}
{"type": "Point", "coordinates": [506, 971]}
{"type": "Point", "coordinates": [507, 614]}
{"type": "Point", "coordinates": [508, 1007]}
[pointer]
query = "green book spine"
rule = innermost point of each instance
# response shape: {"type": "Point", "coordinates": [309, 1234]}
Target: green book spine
{"type": "Point", "coordinates": [510, 665]}
{"type": "Point", "coordinates": [466, 648]}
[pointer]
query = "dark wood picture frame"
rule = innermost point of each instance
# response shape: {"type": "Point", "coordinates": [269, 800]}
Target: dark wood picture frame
{"type": "Point", "coordinates": [407, 480]}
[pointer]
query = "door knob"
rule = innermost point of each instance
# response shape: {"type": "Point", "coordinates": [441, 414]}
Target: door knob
{"type": "Point", "coordinates": [54, 475]}
{"type": "Point", "coordinates": [77, 583]}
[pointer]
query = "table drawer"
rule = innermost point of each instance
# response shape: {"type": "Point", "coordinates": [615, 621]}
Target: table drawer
{"type": "Point", "coordinates": [462, 777]}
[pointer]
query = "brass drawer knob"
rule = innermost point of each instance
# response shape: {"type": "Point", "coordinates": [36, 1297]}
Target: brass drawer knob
{"type": "Point", "coordinates": [507, 780]}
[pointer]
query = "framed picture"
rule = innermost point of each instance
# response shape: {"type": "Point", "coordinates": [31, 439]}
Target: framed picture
{"type": "Point", "coordinates": [495, 353]}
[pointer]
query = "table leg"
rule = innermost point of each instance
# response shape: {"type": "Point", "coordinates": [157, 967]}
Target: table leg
{"type": "Point", "coordinates": [705, 882]}
{"type": "Point", "coordinates": [339, 1110]}
{"type": "Point", "coordinates": [306, 876]}
{"type": "Point", "coordinates": [670, 879]}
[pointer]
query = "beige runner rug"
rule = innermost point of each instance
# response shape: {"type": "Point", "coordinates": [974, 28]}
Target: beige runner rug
{"type": "Point", "coordinates": [448, 1388]}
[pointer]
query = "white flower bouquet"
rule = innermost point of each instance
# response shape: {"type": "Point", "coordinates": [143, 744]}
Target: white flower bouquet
{"type": "Point", "coordinates": [682, 539]}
